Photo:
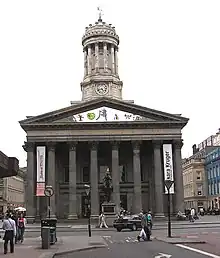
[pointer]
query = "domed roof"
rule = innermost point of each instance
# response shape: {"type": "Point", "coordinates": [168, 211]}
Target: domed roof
{"type": "Point", "coordinates": [100, 29]}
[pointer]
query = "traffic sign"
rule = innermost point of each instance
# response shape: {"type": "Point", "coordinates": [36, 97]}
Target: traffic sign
{"type": "Point", "coordinates": [49, 191]}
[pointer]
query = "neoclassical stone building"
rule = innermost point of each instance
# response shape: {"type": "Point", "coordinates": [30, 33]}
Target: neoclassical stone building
{"type": "Point", "coordinates": [103, 131]}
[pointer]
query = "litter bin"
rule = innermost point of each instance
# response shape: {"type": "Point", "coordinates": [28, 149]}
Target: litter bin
{"type": "Point", "coordinates": [52, 224]}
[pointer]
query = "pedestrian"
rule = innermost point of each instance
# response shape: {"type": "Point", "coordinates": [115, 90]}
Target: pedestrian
{"type": "Point", "coordinates": [102, 220]}
{"type": "Point", "coordinates": [10, 232]}
{"type": "Point", "coordinates": [192, 214]}
{"type": "Point", "coordinates": [146, 223]}
{"type": "Point", "coordinates": [21, 224]}
{"type": "Point", "coordinates": [14, 216]}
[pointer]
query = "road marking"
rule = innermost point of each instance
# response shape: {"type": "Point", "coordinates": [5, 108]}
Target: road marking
{"type": "Point", "coordinates": [107, 236]}
{"type": "Point", "coordinates": [191, 236]}
{"type": "Point", "coordinates": [215, 232]}
{"type": "Point", "coordinates": [198, 251]}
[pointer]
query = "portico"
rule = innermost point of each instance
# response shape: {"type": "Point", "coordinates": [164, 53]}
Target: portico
{"type": "Point", "coordinates": [103, 131]}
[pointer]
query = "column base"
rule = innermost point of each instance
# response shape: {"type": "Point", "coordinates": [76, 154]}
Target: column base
{"type": "Point", "coordinates": [30, 219]}
{"type": "Point", "coordinates": [72, 217]}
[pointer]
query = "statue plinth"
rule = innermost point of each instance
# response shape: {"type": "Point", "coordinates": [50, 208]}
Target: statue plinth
{"type": "Point", "coordinates": [108, 208]}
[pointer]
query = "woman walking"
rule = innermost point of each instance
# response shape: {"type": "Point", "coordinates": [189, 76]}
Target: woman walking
{"type": "Point", "coordinates": [21, 227]}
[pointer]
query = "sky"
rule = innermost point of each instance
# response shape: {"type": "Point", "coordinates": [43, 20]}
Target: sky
{"type": "Point", "coordinates": [169, 60]}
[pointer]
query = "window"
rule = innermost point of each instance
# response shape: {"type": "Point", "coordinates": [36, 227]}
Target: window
{"type": "Point", "coordinates": [210, 190]}
{"type": "Point", "coordinates": [217, 171]}
{"type": "Point", "coordinates": [214, 172]}
{"type": "Point", "coordinates": [198, 176]}
{"type": "Point", "coordinates": [199, 190]}
{"type": "Point", "coordinates": [86, 175]}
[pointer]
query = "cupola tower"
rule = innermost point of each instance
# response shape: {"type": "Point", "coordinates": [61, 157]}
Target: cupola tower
{"type": "Point", "coordinates": [100, 46]}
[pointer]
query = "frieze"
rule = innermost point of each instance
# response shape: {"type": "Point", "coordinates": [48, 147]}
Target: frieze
{"type": "Point", "coordinates": [104, 114]}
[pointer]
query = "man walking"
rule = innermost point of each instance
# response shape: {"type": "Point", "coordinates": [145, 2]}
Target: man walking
{"type": "Point", "coordinates": [10, 233]}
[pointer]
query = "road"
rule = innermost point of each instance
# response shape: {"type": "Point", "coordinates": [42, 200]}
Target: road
{"type": "Point", "coordinates": [153, 249]}
{"type": "Point", "coordinates": [122, 239]}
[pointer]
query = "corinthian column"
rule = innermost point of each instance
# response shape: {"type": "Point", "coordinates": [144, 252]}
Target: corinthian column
{"type": "Point", "coordinates": [178, 176]}
{"type": "Point", "coordinates": [72, 181]}
{"type": "Point", "coordinates": [30, 183]}
{"type": "Point", "coordinates": [105, 57]}
{"type": "Point", "coordinates": [85, 62]}
{"type": "Point", "coordinates": [158, 180]}
{"type": "Point", "coordinates": [137, 177]}
{"type": "Point", "coordinates": [96, 57]}
{"type": "Point", "coordinates": [89, 56]}
{"type": "Point", "coordinates": [51, 181]}
{"type": "Point", "coordinates": [116, 61]}
{"type": "Point", "coordinates": [113, 58]}
{"type": "Point", "coordinates": [94, 180]}
{"type": "Point", "coordinates": [116, 175]}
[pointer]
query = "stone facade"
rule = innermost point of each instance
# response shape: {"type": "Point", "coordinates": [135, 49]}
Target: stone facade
{"type": "Point", "coordinates": [194, 182]}
{"type": "Point", "coordinates": [103, 131]}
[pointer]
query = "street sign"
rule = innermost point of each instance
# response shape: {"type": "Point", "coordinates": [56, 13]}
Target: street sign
{"type": "Point", "coordinates": [161, 255]}
{"type": "Point", "coordinates": [168, 184]}
{"type": "Point", "coordinates": [49, 191]}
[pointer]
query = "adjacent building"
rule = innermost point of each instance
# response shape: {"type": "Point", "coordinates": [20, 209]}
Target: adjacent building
{"type": "Point", "coordinates": [79, 143]}
{"type": "Point", "coordinates": [12, 191]}
{"type": "Point", "coordinates": [195, 176]}
{"type": "Point", "coordinates": [194, 181]}
{"type": "Point", "coordinates": [8, 165]}
{"type": "Point", "coordinates": [212, 168]}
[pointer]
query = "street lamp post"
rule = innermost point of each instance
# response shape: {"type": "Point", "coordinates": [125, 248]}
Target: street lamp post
{"type": "Point", "coordinates": [168, 184]}
{"type": "Point", "coordinates": [89, 208]}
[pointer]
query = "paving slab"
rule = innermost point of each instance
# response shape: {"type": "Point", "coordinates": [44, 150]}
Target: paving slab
{"type": "Point", "coordinates": [179, 240]}
{"type": "Point", "coordinates": [31, 247]}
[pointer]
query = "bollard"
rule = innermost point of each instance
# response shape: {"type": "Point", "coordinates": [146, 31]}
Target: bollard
{"type": "Point", "coordinates": [45, 237]}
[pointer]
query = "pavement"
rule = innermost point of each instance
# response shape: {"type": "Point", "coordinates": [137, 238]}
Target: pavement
{"type": "Point", "coordinates": [31, 247]}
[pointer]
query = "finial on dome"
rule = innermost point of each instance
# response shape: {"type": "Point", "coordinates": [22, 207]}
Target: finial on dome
{"type": "Point", "coordinates": [100, 14]}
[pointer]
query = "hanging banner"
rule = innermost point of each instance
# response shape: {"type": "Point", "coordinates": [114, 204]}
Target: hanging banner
{"type": "Point", "coordinates": [41, 160]}
{"type": "Point", "coordinates": [168, 165]}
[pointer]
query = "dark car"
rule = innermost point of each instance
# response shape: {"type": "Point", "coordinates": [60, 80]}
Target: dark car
{"type": "Point", "coordinates": [132, 222]}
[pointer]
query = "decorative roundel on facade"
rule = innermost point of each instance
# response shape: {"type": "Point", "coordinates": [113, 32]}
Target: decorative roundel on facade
{"type": "Point", "coordinates": [101, 89]}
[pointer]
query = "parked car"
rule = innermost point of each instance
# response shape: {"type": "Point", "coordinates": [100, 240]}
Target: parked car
{"type": "Point", "coordinates": [132, 222]}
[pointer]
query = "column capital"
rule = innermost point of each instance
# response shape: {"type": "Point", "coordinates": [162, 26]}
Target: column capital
{"type": "Point", "coordinates": [51, 146]}
{"type": "Point", "coordinates": [93, 145]}
{"type": "Point", "coordinates": [28, 146]}
{"type": "Point", "coordinates": [136, 145]}
{"type": "Point", "coordinates": [115, 145]}
{"type": "Point", "coordinates": [157, 144]}
{"type": "Point", "coordinates": [178, 144]}
{"type": "Point", "coordinates": [72, 146]}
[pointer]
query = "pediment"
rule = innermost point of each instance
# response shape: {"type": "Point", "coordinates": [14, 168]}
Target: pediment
{"type": "Point", "coordinates": [103, 114]}
{"type": "Point", "coordinates": [104, 110]}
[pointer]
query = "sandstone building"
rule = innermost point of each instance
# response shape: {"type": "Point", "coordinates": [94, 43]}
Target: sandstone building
{"type": "Point", "coordinates": [103, 131]}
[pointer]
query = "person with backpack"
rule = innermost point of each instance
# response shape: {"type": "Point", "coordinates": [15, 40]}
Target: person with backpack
{"type": "Point", "coordinates": [146, 222]}
{"type": "Point", "coordinates": [21, 224]}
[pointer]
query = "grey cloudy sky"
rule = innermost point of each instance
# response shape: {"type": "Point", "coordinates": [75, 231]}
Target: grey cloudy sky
{"type": "Point", "coordinates": [169, 59]}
